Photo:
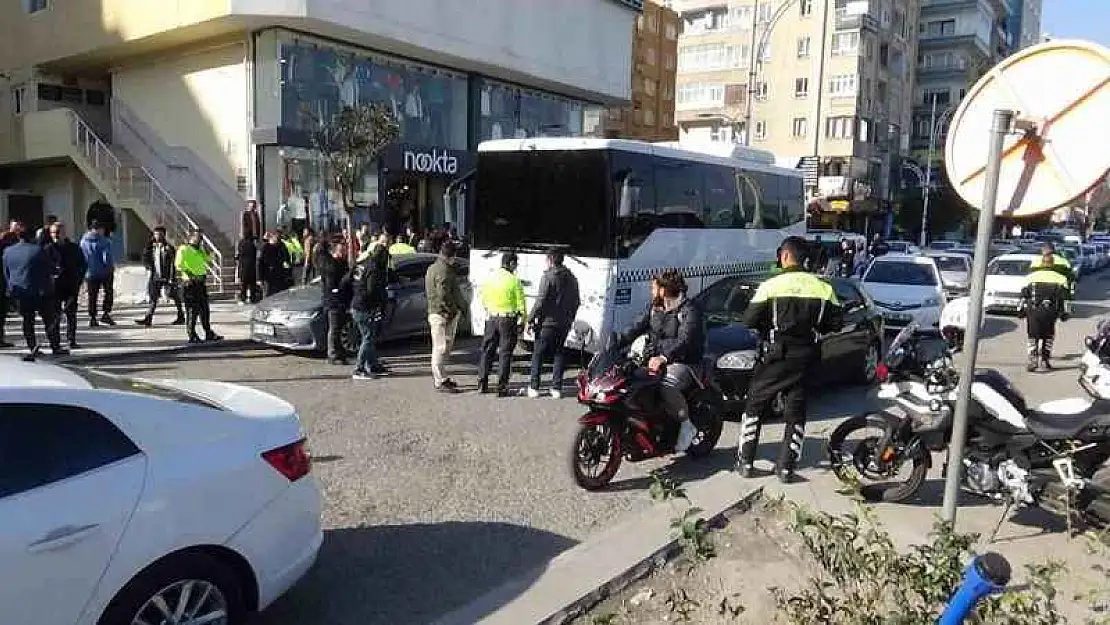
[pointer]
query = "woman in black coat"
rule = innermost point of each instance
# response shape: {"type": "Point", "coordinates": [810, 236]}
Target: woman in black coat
{"type": "Point", "coordinates": [275, 267]}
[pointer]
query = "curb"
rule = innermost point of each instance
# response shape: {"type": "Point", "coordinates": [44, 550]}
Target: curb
{"type": "Point", "coordinates": [521, 601]}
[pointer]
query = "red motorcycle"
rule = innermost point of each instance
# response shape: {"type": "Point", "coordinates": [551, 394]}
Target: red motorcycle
{"type": "Point", "coordinates": [626, 417]}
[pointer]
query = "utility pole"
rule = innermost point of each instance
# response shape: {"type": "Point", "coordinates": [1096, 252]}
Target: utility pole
{"type": "Point", "coordinates": [925, 191]}
{"type": "Point", "coordinates": [821, 53]}
{"type": "Point", "coordinates": [753, 74]}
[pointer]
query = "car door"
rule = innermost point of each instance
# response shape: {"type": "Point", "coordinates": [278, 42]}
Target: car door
{"type": "Point", "coordinates": [842, 352]}
{"type": "Point", "coordinates": [69, 482]}
{"type": "Point", "coordinates": [410, 302]}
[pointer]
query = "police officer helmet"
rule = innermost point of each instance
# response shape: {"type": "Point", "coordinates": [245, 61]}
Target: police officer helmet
{"type": "Point", "coordinates": [509, 261]}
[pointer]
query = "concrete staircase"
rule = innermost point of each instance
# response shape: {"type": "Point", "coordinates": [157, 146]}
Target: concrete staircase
{"type": "Point", "coordinates": [127, 184]}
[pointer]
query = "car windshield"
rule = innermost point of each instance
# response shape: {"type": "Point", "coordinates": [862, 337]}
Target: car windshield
{"type": "Point", "coordinates": [951, 263]}
{"type": "Point", "coordinates": [1008, 267]}
{"type": "Point", "coordinates": [914, 274]}
{"type": "Point", "coordinates": [105, 381]}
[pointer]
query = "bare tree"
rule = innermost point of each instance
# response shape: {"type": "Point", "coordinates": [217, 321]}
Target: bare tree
{"type": "Point", "coordinates": [349, 143]}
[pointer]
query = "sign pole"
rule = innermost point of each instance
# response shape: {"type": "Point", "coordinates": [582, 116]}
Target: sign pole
{"type": "Point", "coordinates": [1003, 122]}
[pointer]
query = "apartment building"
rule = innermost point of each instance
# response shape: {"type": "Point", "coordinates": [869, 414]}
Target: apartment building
{"type": "Point", "coordinates": [176, 112]}
{"type": "Point", "coordinates": [1024, 22]}
{"type": "Point", "coordinates": [958, 42]}
{"type": "Point", "coordinates": [824, 81]}
{"type": "Point", "coordinates": [650, 117]}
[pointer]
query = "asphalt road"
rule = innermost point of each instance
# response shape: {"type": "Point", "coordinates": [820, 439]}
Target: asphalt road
{"type": "Point", "coordinates": [433, 499]}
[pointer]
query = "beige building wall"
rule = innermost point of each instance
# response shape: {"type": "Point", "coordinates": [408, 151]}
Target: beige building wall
{"type": "Point", "coordinates": [65, 192]}
{"type": "Point", "coordinates": [197, 101]}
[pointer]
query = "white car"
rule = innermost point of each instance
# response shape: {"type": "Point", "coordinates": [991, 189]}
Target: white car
{"type": "Point", "coordinates": [905, 289]}
{"type": "Point", "coordinates": [902, 247]}
{"type": "Point", "coordinates": [127, 501]}
{"type": "Point", "coordinates": [1006, 276]}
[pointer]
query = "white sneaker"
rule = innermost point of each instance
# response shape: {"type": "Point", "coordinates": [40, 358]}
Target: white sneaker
{"type": "Point", "coordinates": [556, 393]}
{"type": "Point", "coordinates": [686, 434]}
{"type": "Point", "coordinates": [533, 393]}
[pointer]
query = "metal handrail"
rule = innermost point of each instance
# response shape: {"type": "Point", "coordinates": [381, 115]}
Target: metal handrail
{"type": "Point", "coordinates": [93, 148]}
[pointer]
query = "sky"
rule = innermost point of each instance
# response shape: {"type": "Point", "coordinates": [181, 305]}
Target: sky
{"type": "Point", "coordinates": [1077, 19]}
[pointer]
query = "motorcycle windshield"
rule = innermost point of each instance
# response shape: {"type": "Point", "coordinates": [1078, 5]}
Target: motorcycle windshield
{"type": "Point", "coordinates": [603, 361]}
{"type": "Point", "coordinates": [901, 339]}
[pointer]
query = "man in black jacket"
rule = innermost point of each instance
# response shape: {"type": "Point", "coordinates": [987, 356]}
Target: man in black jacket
{"type": "Point", "coordinates": [556, 306]}
{"type": "Point", "coordinates": [331, 262]}
{"type": "Point", "coordinates": [69, 271]}
{"type": "Point", "coordinates": [158, 258]}
{"type": "Point", "coordinates": [28, 272]}
{"type": "Point", "coordinates": [246, 259]}
{"type": "Point", "coordinates": [275, 268]}
{"type": "Point", "coordinates": [676, 340]}
{"type": "Point", "coordinates": [369, 283]}
{"type": "Point", "coordinates": [7, 239]}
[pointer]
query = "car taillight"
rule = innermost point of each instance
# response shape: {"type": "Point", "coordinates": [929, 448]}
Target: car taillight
{"type": "Point", "coordinates": [291, 460]}
{"type": "Point", "coordinates": [882, 373]}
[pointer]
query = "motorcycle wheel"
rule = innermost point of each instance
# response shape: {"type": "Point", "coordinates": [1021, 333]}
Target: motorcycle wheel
{"type": "Point", "coordinates": [862, 465]}
{"type": "Point", "coordinates": [706, 416]}
{"type": "Point", "coordinates": [595, 455]}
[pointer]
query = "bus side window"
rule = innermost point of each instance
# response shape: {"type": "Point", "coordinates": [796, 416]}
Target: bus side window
{"type": "Point", "coordinates": [678, 194]}
{"type": "Point", "coordinates": [750, 200]}
{"type": "Point", "coordinates": [640, 221]}
{"type": "Point", "coordinates": [769, 215]}
{"type": "Point", "coordinates": [722, 206]}
{"type": "Point", "coordinates": [792, 197]}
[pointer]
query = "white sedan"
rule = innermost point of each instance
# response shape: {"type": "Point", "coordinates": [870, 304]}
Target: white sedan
{"type": "Point", "coordinates": [905, 289]}
{"type": "Point", "coordinates": [157, 502]}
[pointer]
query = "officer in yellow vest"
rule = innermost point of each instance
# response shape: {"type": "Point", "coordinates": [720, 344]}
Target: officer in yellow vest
{"type": "Point", "coordinates": [400, 246]}
{"type": "Point", "coordinates": [1046, 290]}
{"type": "Point", "coordinates": [191, 263]}
{"type": "Point", "coordinates": [790, 311]}
{"type": "Point", "coordinates": [503, 298]}
{"type": "Point", "coordinates": [295, 248]}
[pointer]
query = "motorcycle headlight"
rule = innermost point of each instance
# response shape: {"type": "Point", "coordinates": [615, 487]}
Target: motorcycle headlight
{"type": "Point", "coordinates": [744, 359]}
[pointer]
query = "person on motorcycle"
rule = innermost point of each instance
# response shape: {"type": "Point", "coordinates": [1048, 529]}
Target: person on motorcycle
{"type": "Point", "coordinates": [676, 340]}
{"type": "Point", "coordinates": [790, 311]}
{"type": "Point", "coordinates": [1046, 289]}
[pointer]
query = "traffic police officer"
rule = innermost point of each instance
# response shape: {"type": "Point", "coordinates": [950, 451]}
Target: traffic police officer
{"type": "Point", "coordinates": [790, 311]}
{"type": "Point", "coordinates": [192, 263]}
{"type": "Point", "coordinates": [503, 298]}
{"type": "Point", "coordinates": [1046, 290]}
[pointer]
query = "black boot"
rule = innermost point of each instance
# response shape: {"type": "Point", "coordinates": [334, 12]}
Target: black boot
{"type": "Point", "coordinates": [790, 452]}
{"type": "Point", "coordinates": [483, 386]}
{"type": "Point", "coordinates": [749, 443]}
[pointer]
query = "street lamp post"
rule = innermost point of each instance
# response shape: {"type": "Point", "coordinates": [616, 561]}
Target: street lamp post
{"type": "Point", "coordinates": [935, 124]}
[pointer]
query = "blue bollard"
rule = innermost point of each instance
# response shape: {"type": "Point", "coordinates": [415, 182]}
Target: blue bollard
{"type": "Point", "coordinates": [987, 574]}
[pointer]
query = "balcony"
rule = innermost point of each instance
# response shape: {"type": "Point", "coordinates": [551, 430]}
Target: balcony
{"type": "Point", "coordinates": [946, 6]}
{"type": "Point", "coordinates": [941, 71]}
{"type": "Point", "coordinates": [856, 21]}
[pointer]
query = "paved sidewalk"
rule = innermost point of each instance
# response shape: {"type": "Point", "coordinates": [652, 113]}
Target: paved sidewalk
{"type": "Point", "coordinates": [229, 319]}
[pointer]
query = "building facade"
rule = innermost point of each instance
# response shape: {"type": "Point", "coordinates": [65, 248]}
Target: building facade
{"type": "Point", "coordinates": [650, 117]}
{"type": "Point", "coordinates": [824, 81]}
{"type": "Point", "coordinates": [175, 114]}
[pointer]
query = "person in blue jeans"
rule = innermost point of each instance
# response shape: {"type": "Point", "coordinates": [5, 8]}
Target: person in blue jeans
{"type": "Point", "coordinates": [557, 302]}
{"type": "Point", "coordinates": [369, 281]}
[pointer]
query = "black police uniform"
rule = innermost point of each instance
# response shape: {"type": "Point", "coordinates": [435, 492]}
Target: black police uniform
{"type": "Point", "coordinates": [1045, 293]}
{"type": "Point", "coordinates": [790, 311]}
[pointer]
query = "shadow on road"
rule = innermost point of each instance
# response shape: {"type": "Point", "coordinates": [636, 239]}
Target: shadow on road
{"type": "Point", "coordinates": [401, 574]}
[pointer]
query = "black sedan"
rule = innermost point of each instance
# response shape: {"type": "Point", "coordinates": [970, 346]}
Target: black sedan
{"type": "Point", "coordinates": [850, 355]}
{"type": "Point", "coordinates": [295, 319]}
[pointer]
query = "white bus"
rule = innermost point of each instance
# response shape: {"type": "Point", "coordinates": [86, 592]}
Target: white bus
{"type": "Point", "coordinates": [623, 210]}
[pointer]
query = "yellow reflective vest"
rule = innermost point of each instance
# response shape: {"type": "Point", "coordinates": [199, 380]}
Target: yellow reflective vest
{"type": "Point", "coordinates": [1047, 276]}
{"type": "Point", "coordinates": [503, 294]}
{"type": "Point", "coordinates": [401, 248]}
{"type": "Point", "coordinates": [191, 262]}
{"type": "Point", "coordinates": [296, 250]}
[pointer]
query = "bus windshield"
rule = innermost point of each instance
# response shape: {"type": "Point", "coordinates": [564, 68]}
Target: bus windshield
{"type": "Point", "coordinates": [543, 198]}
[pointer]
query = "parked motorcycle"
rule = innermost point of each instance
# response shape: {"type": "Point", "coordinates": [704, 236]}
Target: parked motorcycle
{"type": "Point", "coordinates": [1014, 453]}
{"type": "Point", "coordinates": [625, 419]}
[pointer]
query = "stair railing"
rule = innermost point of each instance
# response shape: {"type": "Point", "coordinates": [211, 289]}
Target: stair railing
{"type": "Point", "coordinates": [138, 184]}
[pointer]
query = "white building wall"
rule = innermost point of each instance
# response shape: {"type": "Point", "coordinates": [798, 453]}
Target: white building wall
{"type": "Point", "coordinates": [581, 48]}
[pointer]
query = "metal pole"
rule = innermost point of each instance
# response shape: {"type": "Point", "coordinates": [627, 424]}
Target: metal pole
{"type": "Point", "coordinates": [1003, 120]}
{"type": "Point", "coordinates": [817, 130]}
{"type": "Point", "coordinates": [925, 194]}
{"type": "Point", "coordinates": [749, 106]}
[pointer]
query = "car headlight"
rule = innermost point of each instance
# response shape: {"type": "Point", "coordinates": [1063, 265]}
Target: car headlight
{"type": "Point", "coordinates": [932, 301]}
{"type": "Point", "coordinates": [744, 360]}
{"type": "Point", "coordinates": [285, 316]}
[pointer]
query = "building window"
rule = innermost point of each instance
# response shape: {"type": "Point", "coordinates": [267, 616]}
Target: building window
{"type": "Point", "coordinates": [653, 23]}
{"type": "Point", "coordinates": [762, 90]}
{"type": "Point", "coordinates": [842, 85]}
{"type": "Point", "coordinates": [671, 31]}
{"type": "Point", "coordinates": [765, 51]}
{"type": "Point", "coordinates": [805, 7]}
{"type": "Point", "coordinates": [713, 56]}
{"type": "Point", "coordinates": [740, 17]}
{"type": "Point", "coordinates": [801, 88]}
{"type": "Point", "coordinates": [941, 28]}
{"type": "Point", "coordinates": [668, 91]}
{"type": "Point", "coordinates": [640, 22]}
{"type": "Point", "coordinates": [803, 47]}
{"type": "Point", "coordinates": [899, 23]}
{"type": "Point", "coordinates": [649, 55]}
{"type": "Point", "coordinates": [884, 54]}
{"type": "Point", "coordinates": [668, 60]}
{"type": "Point", "coordinates": [761, 130]}
{"type": "Point", "coordinates": [942, 95]}
{"type": "Point", "coordinates": [649, 86]}
{"type": "Point", "coordinates": [19, 100]}
{"type": "Point", "coordinates": [706, 94]}
{"type": "Point", "coordinates": [845, 43]}
{"type": "Point", "coordinates": [839, 127]}
{"type": "Point", "coordinates": [649, 117]}
{"type": "Point", "coordinates": [864, 130]}
{"type": "Point", "coordinates": [799, 127]}
{"type": "Point", "coordinates": [766, 10]}
{"type": "Point", "coordinates": [34, 6]}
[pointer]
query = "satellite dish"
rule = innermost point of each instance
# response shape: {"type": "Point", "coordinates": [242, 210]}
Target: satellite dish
{"type": "Point", "coordinates": [1060, 91]}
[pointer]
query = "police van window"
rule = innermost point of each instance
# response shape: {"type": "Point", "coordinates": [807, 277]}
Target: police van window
{"type": "Point", "coordinates": [792, 200]}
{"type": "Point", "coordinates": [749, 197]}
{"type": "Point", "coordinates": [678, 194]}
{"type": "Point", "coordinates": [769, 214]}
{"type": "Point", "coordinates": [722, 206]}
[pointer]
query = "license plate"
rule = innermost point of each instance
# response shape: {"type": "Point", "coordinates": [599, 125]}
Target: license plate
{"type": "Point", "coordinates": [898, 316]}
{"type": "Point", "coordinates": [263, 329]}
{"type": "Point", "coordinates": [1006, 301]}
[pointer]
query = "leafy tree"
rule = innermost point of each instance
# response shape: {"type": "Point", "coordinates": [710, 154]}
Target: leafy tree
{"type": "Point", "coordinates": [349, 143]}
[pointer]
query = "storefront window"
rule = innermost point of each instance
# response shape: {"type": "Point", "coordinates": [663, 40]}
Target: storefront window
{"type": "Point", "coordinates": [318, 79]}
{"type": "Point", "coordinates": [509, 112]}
